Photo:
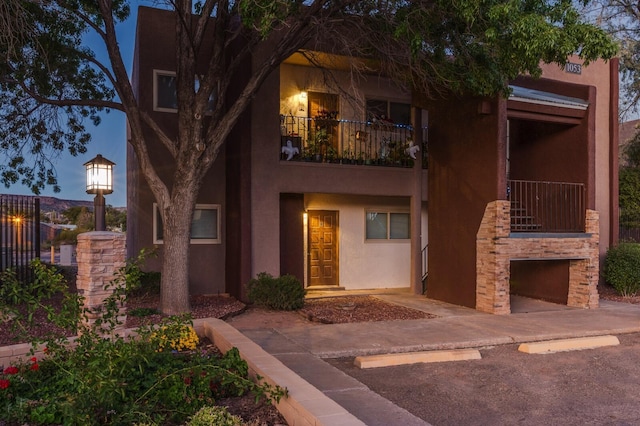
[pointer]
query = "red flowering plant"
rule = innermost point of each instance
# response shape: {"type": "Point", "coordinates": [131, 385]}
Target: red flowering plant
{"type": "Point", "coordinates": [15, 377]}
{"type": "Point", "coordinates": [107, 378]}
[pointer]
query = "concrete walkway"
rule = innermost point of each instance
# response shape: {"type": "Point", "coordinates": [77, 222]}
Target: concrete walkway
{"type": "Point", "coordinates": [302, 348]}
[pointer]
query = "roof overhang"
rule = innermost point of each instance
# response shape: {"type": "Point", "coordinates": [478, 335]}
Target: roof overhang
{"type": "Point", "coordinates": [531, 104]}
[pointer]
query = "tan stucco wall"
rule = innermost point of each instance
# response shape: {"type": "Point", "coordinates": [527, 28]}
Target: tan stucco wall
{"type": "Point", "coordinates": [366, 264]}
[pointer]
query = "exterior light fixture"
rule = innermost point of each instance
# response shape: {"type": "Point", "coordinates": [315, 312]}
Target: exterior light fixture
{"type": "Point", "coordinates": [302, 101]}
{"type": "Point", "coordinates": [99, 182]}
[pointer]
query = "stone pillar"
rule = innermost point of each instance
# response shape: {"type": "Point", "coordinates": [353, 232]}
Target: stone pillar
{"type": "Point", "coordinates": [584, 273]}
{"type": "Point", "coordinates": [492, 263]}
{"type": "Point", "coordinates": [100, 255]}
{"type": "Point", "coordinates": [495, 249]}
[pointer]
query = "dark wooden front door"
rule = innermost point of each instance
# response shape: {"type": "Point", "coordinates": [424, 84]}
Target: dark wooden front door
{"type": "Point", "coordinates": [323, 247]}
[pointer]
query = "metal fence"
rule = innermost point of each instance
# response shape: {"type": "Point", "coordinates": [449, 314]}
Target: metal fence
{"type": "Point", "coordinates": [547, 206]}
{"type": "Point", "coordinates": [629, 234]}
{"type": "Point", "coordinates": [19, 233]}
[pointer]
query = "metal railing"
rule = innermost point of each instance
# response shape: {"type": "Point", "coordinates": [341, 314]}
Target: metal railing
{"type": "Point", "coordinates": [626, 234]}
{"type": "Point", "coordinates": [19, 233]}
{"type": "Point", "coordinates": [425, 268]}
{"type": "Point", "coordinates": [546, 206]}
{"type": "Point", "coordinates": [349, 142]}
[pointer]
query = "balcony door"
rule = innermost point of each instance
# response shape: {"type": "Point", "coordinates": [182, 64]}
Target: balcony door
{"type": "Point", "coordinates": [323, 248]}
{"type": "Point", "coordinates": [324, 110]}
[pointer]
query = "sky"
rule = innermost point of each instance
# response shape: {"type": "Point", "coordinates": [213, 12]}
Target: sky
{"type": "Point", "coordinates": [108, 139]}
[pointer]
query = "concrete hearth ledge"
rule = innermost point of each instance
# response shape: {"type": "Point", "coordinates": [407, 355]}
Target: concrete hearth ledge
{"type": "Point", "coordinates": [564, 345]}
{"type": "Point", "coordinates": [304, 405]}
{"type": "Point", "coordinates": [388, 360]}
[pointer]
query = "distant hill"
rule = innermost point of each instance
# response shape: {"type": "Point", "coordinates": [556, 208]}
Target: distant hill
{"type": "Point", "coordinates": [48, 204]}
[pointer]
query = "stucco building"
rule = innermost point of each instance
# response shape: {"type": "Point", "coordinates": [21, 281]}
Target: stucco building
{"type": "Point", "coordinates": [363, 186]}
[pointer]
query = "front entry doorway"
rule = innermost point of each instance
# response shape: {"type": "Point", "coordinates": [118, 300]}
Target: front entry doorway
{"type": "Point", "coordinates": [323, 248]}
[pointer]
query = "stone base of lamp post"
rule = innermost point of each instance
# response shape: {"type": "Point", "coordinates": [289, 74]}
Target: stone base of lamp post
{"type": "Point", "coordinates": [100, 256]}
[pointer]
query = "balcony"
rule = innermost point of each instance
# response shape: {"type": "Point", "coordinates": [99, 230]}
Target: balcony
{"type": "Point", "coordinates": [329, 140]}
{"type": "Point", "coordinates": [553, 207]}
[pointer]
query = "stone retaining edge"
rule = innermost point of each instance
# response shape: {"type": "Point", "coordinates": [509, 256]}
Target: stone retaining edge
{"type": "Point", "coordinates": [304, 405]}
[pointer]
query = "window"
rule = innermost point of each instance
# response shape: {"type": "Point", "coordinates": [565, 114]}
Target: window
{"type": "Point", "coordinates": [165, 97]}
{"type": "Point", "coordinates": [396, 112]}
{"type": "Point", "coordinates": [387, 226]}
{"type": "Point", "coordinates": [205, 226]}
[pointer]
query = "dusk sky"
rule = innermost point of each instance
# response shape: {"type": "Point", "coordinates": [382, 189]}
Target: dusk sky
{"type": "Point", "coordinates": [108, 139]}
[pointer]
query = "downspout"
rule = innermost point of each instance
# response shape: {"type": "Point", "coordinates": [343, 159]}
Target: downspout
{"type": "Point", "coordinates": [614, 136]}
{"type": "Point", "coordinates": [416, 206]}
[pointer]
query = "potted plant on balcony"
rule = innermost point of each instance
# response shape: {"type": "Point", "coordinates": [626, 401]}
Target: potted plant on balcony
{"type": "Point", "coordinates": [331, 154]}
{"type": "Point", "coordinates": [318, 144]}
{"type": "Point", "coordinates": [347, 157]}
{"type": "Point", "coordinates": [312, 152]}
{"type": "Point", "coordinates": [306, 154]}
{"type": "Point", "coordinates": [326, 119]}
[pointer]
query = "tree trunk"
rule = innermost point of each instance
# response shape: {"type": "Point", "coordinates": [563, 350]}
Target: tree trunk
{"type": "Point", "coordinates": [174, 286]}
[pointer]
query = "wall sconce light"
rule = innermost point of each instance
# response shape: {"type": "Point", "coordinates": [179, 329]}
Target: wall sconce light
{"type": "Point", "coordinates": [302, 101]}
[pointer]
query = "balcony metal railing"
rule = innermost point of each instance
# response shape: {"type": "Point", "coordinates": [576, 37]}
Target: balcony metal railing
{"type": "Point", "coordinates": [546, 206]}
{"type": "Point", "coordinates": [349, 142]}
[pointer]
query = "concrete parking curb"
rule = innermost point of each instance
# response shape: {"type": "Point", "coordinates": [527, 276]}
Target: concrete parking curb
{"type": "Point", "coordinates": [388, 360]}
{"type": "Point", "coordinates": [564, 345]}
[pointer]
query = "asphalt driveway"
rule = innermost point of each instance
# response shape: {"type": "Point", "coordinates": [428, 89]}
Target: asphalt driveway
{"type": "Point", "coordinates": [507, 387]}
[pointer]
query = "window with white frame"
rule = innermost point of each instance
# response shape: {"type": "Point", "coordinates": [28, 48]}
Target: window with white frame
{"type": "Point", "coordinates": [165, 97]}
{"type": "Point", "coordinates": [395, 112]}
{"type": "Point", "coordinates": [205, 225]}
{"type": "Point", "coordinates": [387, 225]}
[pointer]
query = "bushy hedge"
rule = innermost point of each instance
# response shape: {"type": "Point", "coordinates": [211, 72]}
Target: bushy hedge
{"type": "Point", "coordinates": [622, 268]}
{"type": "Point", "coordinates": [113, 380]}
{"type": "Point", "coordinates": [284, 293]}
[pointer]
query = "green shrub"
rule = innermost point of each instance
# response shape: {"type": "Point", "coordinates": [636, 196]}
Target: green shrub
{"type": "Point", "coordinates": [106, 378]}
{"type": "Point", "coordinates": [214, 416]}
{"type": "Point", "coordinates": [150, 282]}
{"type": "Point", "coordinates": [622, 268]}
{"type": "Point", "coordinates": [68, 236]}
{"type": "Point", "coordinates": [142, 312]}
{"type": "Point", "coordinates": [284, 293]}
{"type": "Point", "coordinates": [139, 282]}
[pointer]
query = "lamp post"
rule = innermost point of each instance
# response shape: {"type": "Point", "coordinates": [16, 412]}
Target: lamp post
{"type": "Point", "coordinates": [99, 182]}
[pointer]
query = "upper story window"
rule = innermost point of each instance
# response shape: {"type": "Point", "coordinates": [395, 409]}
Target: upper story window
{"type": "Point", "coordinates": [393, 112]}
{"type": "Point", "coordinates": [165, 97]}
{"type": "Point", "coordinates": [205, 225]}
{"type": "Point", "coordinates": [385, 225]}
